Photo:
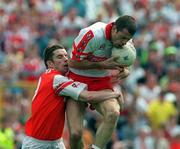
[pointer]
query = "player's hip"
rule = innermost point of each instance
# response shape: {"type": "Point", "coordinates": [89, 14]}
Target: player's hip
{"type": "Point", "coordinates": [94, 83]}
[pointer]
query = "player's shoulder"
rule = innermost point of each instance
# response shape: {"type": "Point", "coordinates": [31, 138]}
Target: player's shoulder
{"type": "Point", "coordinates": [98, 25]}
{"type": "Point", "coordinates": [92, 34]}
{"type": "Point", "coordinates": [98, 29]}
{"type": "Point", "coordinates": [94, 27]}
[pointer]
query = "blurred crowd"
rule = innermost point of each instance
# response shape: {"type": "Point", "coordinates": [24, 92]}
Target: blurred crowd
{"type": "Point", "coordinates": [150, 118]}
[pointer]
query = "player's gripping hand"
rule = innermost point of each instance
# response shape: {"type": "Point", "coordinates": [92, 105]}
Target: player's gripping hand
{"type": "Point", "coordinates": [123, 73]}
{"type": "Point", "coordinates": [111, 63]}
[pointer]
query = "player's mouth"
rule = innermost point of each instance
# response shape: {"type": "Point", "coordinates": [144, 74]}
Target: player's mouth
{"type": "Point", "coordinates": [118, 46]}
{"type": "Point", "coordinates": [66, 65]}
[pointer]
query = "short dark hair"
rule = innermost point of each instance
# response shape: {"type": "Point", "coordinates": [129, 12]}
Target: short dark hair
{"type": "Point", "coordinates": [48, 52]}
{"type": "Point", "coordinates": [126, 22]}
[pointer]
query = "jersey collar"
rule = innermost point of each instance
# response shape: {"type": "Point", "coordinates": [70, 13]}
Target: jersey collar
{"type": "Point", "coordinates": [108, 30]}
{"type": "Point", "coordinates": [53, 71]}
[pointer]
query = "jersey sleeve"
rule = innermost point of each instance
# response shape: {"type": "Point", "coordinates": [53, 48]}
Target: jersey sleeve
{"type": "Point", "coordinates": [84, 45]}
{"type": "Point", "coordinates": [64, 86]}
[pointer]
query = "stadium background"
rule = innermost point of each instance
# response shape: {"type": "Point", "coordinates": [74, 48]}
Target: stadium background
{"type": "Point", "coordinates": [28, 26]}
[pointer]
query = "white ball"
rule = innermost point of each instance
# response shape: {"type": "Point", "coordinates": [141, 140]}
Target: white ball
{"type": "Point", "coordinates": [126, 54]}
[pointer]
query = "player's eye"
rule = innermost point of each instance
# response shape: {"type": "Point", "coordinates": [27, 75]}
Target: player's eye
{"type": "Point", "coordinates": [59, 56]}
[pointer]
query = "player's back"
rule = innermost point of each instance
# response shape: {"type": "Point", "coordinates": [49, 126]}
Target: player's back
{"type": "Point", "coordinates": [44, 124]}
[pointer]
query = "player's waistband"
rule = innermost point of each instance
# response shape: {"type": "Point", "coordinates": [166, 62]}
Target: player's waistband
{"type": "Point", "coordinates": [44, 141]}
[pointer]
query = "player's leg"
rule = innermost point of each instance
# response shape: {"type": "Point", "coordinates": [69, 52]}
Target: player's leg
{"type": "Point", "coordinates": [75, 112]}
{"type": "Point", "coordinates": [110, 111]}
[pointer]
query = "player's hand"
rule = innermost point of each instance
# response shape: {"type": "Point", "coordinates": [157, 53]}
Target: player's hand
{"type": "Point", "coordinates": [123, 73]}
{"type": "Point", "coordinates": [111, 63]}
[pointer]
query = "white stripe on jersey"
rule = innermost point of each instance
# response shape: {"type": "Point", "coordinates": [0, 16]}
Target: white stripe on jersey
{"type": "Point", "coordinates": [59, 79]}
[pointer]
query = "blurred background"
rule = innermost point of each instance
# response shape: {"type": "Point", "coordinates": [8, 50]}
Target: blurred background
{"type": "Point", "coordinates": [151, 115]}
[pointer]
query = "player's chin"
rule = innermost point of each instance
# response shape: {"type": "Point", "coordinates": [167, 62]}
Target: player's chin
{"type": "Point", "coordinates": [66, 67]}
{"type": "Point", "coordinates": [118, 46]}
{"type": "Point", "coordinates": [65, 70]}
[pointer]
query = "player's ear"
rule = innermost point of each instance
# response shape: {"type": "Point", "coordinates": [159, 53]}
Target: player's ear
{"type": "Point", "coordinates": [50, 63]}
{"type": "Point", "coordinates": [114, 29]}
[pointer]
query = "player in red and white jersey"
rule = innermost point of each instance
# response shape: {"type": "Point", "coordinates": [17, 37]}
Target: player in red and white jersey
{"type": "Point", "coordinates": [89, 63]}
{"type": "Point", "coordinates": [45, 126]}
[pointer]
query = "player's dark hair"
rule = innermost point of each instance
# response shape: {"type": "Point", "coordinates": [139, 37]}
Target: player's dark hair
{"type": "Point", "coordinates": [126, 22]}
{"type": "Point", "coordinates": [48, 52]}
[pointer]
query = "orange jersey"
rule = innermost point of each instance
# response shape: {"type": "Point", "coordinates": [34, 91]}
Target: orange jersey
{"type": "Point", "coordinates": [48, 105]}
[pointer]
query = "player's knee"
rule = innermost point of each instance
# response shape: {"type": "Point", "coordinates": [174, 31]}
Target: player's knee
{"type": "Point", "coordinates": [76, 137]}
{"type": "Point", "coordinates": [76, 134]}
{"type": "Point", "coordinates": [112, 115]}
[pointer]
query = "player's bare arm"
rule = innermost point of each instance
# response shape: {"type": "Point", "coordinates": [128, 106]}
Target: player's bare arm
{"type": "Point", "coordinates": [76, 90]}
{"type": "Point", "coordinates": [97, 96]}
{"type": "Point", "coordinates": [85, 64]}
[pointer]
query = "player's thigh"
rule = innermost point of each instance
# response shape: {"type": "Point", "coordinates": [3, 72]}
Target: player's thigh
{"type": "Point", "coordinates": [75, 112]}
{"type": "Point", "coordinates": [107, 107]}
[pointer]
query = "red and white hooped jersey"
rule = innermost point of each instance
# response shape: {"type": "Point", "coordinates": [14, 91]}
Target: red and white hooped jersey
{"type": "Point", "coordinates": [48, 105]}
{"type": "Point", "coordinates": [92, 44]}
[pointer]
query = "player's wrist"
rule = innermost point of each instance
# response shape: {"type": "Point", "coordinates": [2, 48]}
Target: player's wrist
{"type": "Point", "coordinates": [99, 65]}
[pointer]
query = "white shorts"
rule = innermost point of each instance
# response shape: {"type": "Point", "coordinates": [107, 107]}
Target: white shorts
{"type": "Point", "coordinates": [32, 143]}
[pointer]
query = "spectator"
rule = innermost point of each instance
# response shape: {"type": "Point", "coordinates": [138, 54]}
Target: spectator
{"type": "Point", "coordinates": [160, 111]}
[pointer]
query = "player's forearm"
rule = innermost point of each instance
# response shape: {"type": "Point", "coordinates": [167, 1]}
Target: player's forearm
{"type": "Point", "coordinates": [109, 63]}
{"type": "Point", "coordinates": [84, 64]}
{"type": "Point", "coordinates": [97, 96]}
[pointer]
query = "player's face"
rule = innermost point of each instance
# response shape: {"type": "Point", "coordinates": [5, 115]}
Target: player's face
{"type": "Point", "coordinates": [119, 38]}
{"type": "Point", "coordinates": [59, 61]}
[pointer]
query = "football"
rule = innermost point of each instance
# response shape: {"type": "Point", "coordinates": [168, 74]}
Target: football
{"type": "Point", "coordinates": [126, 54]}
